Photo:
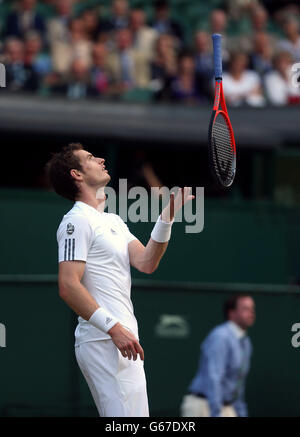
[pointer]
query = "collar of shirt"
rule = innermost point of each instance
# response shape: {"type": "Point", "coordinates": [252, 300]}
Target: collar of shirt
{"type": "Point", "coordinates": [89, 209]}
{"type": "Point", "coordinates": [239, 332]}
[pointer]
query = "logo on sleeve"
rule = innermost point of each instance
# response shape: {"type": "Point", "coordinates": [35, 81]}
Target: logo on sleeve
{"type": "Point", "coordinates": [113, 231]}
{"type": "Point", "coordinates": [108, 320]}
{"type": "Point", "coordinates": [70, 228]}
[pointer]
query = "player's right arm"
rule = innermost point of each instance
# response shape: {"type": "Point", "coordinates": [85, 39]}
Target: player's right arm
{"type": "Point", "coordinates": [72, 291]}
{"type": "Point", "coordinates": [84, 305]}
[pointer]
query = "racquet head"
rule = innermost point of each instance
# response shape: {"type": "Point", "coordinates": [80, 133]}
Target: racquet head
{"type": "Point", "coordinates": [221, 143]}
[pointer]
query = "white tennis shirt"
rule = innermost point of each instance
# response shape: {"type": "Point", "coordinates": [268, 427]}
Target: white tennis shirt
{"type": "Point", "coordinates": [101, 240]}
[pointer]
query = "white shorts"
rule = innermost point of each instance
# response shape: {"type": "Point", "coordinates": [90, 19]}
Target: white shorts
{"type": "Point", "coordinates": [118, 385]}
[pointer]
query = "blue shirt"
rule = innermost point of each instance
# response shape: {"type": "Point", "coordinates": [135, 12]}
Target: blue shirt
{"type": "Point", "coordinates": [223, 367]}
{"type": "Point", "coordinates": [204, 64]}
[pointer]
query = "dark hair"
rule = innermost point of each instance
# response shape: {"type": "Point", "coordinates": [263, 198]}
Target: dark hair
{"type": "Point", "coordinates": [185, 53]}
{"type": "Point", "coordinates": [58, 170]}
{"type": "Point", "coordinates": [231, 303]}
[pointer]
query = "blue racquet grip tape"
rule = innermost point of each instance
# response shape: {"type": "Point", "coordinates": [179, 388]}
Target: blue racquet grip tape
{"type": "Point", "coordinates": [217, 44]}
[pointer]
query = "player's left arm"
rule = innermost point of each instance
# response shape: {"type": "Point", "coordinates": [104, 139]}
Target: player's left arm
{"type": "Point", "coordinates": [146, 259]}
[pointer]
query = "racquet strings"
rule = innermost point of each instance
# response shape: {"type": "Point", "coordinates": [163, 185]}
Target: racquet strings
{"type": "Point", "coordinates": [223, 155]}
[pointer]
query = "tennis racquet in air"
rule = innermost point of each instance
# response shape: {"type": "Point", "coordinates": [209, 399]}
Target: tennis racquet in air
{"type": "Point", "coordinates": [221, 143]}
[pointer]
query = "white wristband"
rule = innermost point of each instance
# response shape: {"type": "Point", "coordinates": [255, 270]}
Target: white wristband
{"type": "Point", "coordinates": [102, 320]}
{"type": "Point", "coordinates": [161, 231]}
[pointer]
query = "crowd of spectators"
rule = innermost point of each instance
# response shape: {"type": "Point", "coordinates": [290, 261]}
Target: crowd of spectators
{"type": "Point", "coordinates": [118, 49]}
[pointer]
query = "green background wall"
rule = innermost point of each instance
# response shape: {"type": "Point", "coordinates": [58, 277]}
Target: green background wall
{"type": "Point", "coordinates": [241, 242]}
{"type": "Point", "coordinates": [259, 245]}
{"type": "Point", "coordinates": [39, 375]}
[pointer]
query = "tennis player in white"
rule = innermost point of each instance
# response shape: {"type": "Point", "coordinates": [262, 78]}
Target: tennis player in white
{"type": "Point", "coordinates": [95, 252]}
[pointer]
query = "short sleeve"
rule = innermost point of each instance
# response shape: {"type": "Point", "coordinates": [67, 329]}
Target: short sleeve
{"type": "Point", "coordinates": [74, 238]}
{"type": "Point", "coordinates": [129, 236]}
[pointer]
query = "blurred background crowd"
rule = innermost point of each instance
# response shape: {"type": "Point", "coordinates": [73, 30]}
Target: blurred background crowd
{"type": "Point", "coordinates": [151, 50]}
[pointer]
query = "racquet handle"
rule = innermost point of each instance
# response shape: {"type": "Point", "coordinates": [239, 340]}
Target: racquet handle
{"type": "Point", "coordinates": [217, 44]}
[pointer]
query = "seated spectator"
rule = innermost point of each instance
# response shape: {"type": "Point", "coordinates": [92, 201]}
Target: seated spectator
{"type": "Point", "coordinates": [204, 62]}
{"type": "Point", "coordinates": [237, 10]}
{"type": "Point", "coordinates": [34, 56]}
{"type": "Point", "coordinates": [19, 76]}
{"type": "Point", "coordinates": [144, 37]}
{"type": "Point", "coordinates": [241, 85]}
{"type": "Point", "coordinates": [218, 24]}
{"type": "Point", "coordinates": [292, 42]}
{"type": "Point", "coordinates": [99, 74]}
{"type": "Point", "coordinates": [184, 87]}
{"type": "Point", "coordinates": [78, 47]}
{"type": "Point", "coordinates": [260, 23]}
{"type": "Point", "coordinates": [82, 46]}
{"type": "Point", "coordinates": [58, 27]}
{"type": "Point", "coordinates": [77, 84]}
{"type": "Point", "coordinates": [91, 22]}
{"type": "Point", "coordinates": [261, 57]}
{"type": "Point", "coordinates": [278, 84]}
{"type": "Point", "coordinates": [24, 19]}
{"type": "Point", "coordinates": [120, 16]}
{"type": "Point", "coordinates": [164, 24]}
{"type": "Point", "coordinates": [164, 65]}
{"type": "Point", "coordinates": [128, 68]}
{"type": "Point", "coordinates": [259, 19]}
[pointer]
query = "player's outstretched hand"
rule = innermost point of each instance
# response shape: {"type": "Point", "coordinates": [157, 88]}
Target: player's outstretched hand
{"type": "Point", "coordinates": [176, 203]}
{"type": "Point", "coordinates": [126, 342]}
